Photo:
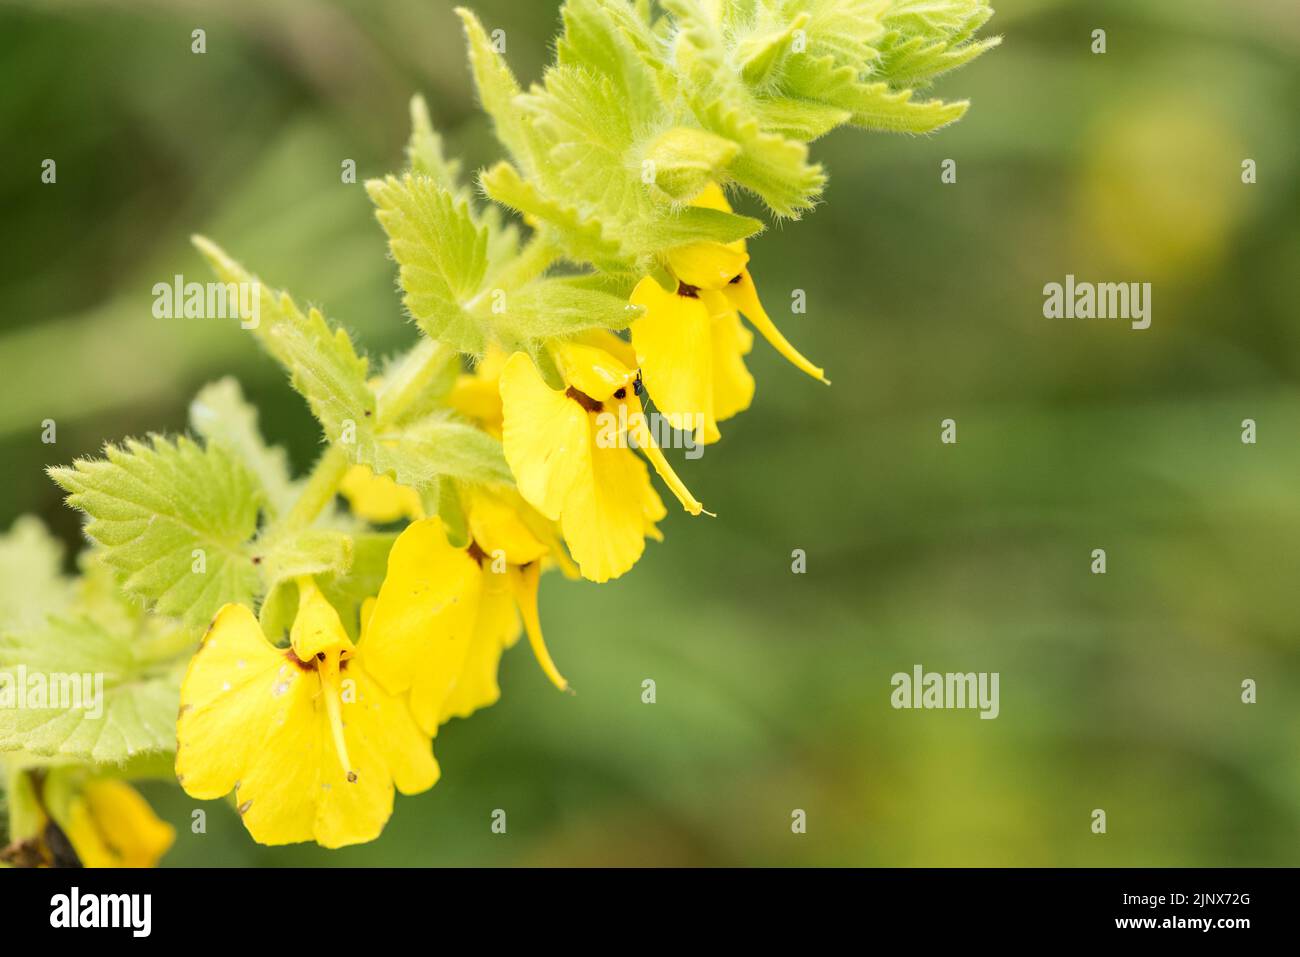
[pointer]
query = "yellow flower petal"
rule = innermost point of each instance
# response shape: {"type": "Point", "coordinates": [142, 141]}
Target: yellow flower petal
{"type": "Point", "coordinates": [606, 515]}
{"type": "Point", "coordinates": [674, 348]}
{"type": "Point", "coordinates": [712, 197]}
{"type": "Point", "coordinates": [478, 399]}
{"type": "Point", "coordinates": [110, 825]}
{"type": "Point", "coordinates": [316, 628]}
{"type": "Point", "coordinates": [546, 437]}
{"type": "Point", "coordinates": [477, 395]}
{"type": "Point", "coordinates": [640, 433]}
{"type": "Point", "coordinates": [498, 525]}
{"type": "Point", "coordinates": [599, 490]}
{"type": "Point", "coordinates": [496, 628]}
{"type": "Point", "coordinates": [386, 749]}
{"type": "Point", "coordinates": [733, 385]}
{"type": "Point", "coordinates": [707, 265]}
{"type": "Point", "coordinates": [310, 747]}
{"type": "Point", "coordinates": [378, 498]}
{"type": "Point", "coordinates": [235, 691]}
{"type": "Point", "coordinates": [609, 342]}
{"type": "Point", "coordinates": [523, 585]}
{"type": "Point", "coordinates": [591, 370]}
{"type": "Point", "coordinates": [418, 632]}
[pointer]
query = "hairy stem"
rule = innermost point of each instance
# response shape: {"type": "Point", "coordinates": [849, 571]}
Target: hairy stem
{"type": "Point", "coordinates": [419, 367]}
{"type": "Point", "coordinates": [534, 259]}
{"type": "Point", "coordinates": [321, 487]}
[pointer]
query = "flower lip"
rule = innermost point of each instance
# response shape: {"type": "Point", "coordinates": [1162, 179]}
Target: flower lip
{"type": "Point", "coordinates": [592, 370]}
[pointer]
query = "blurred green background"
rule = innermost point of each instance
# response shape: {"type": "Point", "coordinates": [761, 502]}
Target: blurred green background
{"type": "Point", "coordinates": [1119, 691]}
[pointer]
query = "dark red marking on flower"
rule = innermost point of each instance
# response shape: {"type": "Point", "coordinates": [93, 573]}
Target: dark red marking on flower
{"type": "Point", "coordinates": [620, 393]}
{"type": "Point", "coordinates": [736, 278]}
{"type": "Point", "coordinates": [584, 400]}
{"type": "Point", "coordinates": [62, 853]}
{"type": "Point", "coordinates": [688, 291]}
{"type": "Point", "coordinates": [308, 665]}
{"type": "Point", "coordinates": [257, 559]}
{"type": "Point", "coordinates": [475, 551]}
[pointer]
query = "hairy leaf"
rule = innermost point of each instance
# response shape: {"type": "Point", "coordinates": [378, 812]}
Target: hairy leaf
{"type": "Point", "coordinates": [83, 691]}
{"type": "Point", "coordinates": [441, 254]}
{"type": "Point", "coordinates": [31, 576]}
{"type": "Point", "coordinates": [221, 415]}
{"type": "Point", "coordinates": [174, 521]}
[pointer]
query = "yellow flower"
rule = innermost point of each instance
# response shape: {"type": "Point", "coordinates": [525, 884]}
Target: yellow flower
{"type": "Point", "coordinates": [690, 344]}
{"type": "Point", "coordinates": [476, 396]}
{"type": "Point", "coordinates": [474, 596]}
{"type": "Point", "coordinates": [569, 455]}
{"type": "Point", "coordinates": [426, 611]}
{"type": "Point", "coordinates": [110, 825]}
{"type": "Point", "coordinates": [310, 743]}
{"type": "Point", "coordinates": [378, 498]}
{"type": "Point", "coordinates": [63, 817]}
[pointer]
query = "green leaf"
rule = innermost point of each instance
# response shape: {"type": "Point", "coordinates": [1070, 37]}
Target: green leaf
{"type": "Point", "coordinates": [417, 382]}
{"type": "Point", "coordinates": [113, 698]}
{"type": "Point", "coordinates": [582, 236]}
{"type": "Point", "coordinates": [221, 416]}
{"type": "Point", "coordinates": [555, 307]}
{"type": "Point", "coordinates": [693, 224]}
{"type": "Point", "coordinates": [876, 107]}
{"type": "Point", "coordinates": [685, 160]}
{"type": "Point", "coordinates": [610, 39]}
{"type": "Point", "coordinates": [762, 53]}
{"type": "Point", "coordinates": [174, 520]}
{"type": "Point", "coordinates": [589, 132]}
{"type": "Point", "coordinates": [637, 115]}
{"type": "Point", "coordinates": [872, 105]}
{"type": "Point", "coordinates": [917, 61]}
{"type": "Point", "coordinates": [323, 365]}
{"type": "Point", "coordinates": [800, 119]}
{"type": "Point", "coordinates": [845, 30]}
{"type": "Point", "coordinates": [282, 555]}
{"type": "Point", "coordinates": [435, 447]}
{"type": "Point", "coordinates": [497, 89]}
{"type": "Point", "coordinates": [771, 166]}
{"type": "Point", "coordinates": [424, 153]}
{"type": "Point", "coordinates": [273, 308]}
{"type": "Point", "coordinates": [327, 371]}
{"type": "Point", "coordinates": [32, 584]}
{"type": "Point", "coordinates": [441, 253]}
{"type": "Point", "coordinates": [954, 19]}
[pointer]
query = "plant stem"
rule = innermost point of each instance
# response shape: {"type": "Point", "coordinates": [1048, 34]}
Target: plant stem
{"type": "Point", "coordinates": [419, 367]}
{"type": "Point", "coordinates": [534, 259]}
{"type": "Point", "coordinates": [322, 485]}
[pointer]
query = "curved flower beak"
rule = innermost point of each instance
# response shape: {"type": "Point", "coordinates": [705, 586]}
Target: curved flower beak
{"type": "Point", "coordinates": [740, 294]}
